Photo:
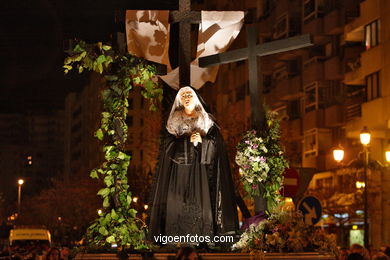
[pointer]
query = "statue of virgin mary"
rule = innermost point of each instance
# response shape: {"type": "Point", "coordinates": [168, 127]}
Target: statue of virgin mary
{"type": "Point", "coordinates": [193, 191]}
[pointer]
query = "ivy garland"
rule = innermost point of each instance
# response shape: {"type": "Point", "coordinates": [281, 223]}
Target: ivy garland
{"type": "Point", "coordinates": [262, 162]}
{"type": "Point", "coordinates": [118, 224]}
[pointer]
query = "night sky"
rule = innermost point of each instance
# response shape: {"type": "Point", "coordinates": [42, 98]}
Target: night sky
{"type": "Point", "coordinates": [33, 35]}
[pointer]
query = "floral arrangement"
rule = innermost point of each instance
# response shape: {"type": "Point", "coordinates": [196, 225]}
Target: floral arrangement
{"type": "Point", "coordinates": [262, 162]}
{"type": "Point", "coordinates": [285, 231]}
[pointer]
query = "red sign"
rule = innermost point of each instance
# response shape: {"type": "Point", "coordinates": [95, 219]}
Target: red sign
{"type": "Point", "coordinates": [290, 182]}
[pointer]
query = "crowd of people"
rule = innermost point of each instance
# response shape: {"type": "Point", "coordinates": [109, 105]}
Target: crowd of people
{"type": "Point", "coordinates": [34, 252]}
{"type": "Point", "coordinates": [45, 252]}
{"type": "Point", "coordinates": [358, 252]}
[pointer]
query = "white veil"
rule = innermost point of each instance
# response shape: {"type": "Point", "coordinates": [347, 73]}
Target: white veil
{"type": "Point", "coordinates": [180, 124]}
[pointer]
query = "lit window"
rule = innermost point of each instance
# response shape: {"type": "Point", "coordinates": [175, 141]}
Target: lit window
{"type": "Point", "coordinates": [371, 34]}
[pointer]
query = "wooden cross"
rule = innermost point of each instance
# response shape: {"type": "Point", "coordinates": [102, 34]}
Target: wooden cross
{"type": "Point", "coordinates": [185, 17]}
{"type": "Point", "coordinates": [255, 81]}
{"type": "Point", "coordinates": [251, 53]}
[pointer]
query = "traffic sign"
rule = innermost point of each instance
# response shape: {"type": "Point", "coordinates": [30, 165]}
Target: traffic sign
{"type": "Point", "coordinates": [311, 209]}
{"type": "Point", "coordinates": [290, 182]}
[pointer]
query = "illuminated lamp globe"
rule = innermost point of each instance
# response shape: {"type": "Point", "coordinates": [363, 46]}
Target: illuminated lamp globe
{"type": "Point", "coordinates": [365, 136]}
{"type": "Point", "coordinates": [20, 181]}
{"type": "Point", "coordinates": [338, 154]}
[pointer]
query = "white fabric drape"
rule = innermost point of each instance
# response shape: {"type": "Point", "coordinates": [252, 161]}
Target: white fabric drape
{"type": "Point", "coordinates": [217, 31]}
{"type": "Point", "coordinates": [147, 34]}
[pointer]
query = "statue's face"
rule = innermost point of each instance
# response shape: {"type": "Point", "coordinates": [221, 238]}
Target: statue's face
{"type": "Point", "coordinates": [187, 100]}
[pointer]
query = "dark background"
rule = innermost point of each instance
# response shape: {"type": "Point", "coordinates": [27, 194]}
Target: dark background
{"type": "Point", "coordinates": [34, 35]}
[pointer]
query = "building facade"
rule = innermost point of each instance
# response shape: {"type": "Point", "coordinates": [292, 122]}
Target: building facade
{"type": "Point", "coordinates": [325, 95]}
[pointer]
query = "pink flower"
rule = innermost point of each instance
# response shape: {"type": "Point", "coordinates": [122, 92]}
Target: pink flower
{"type": "Point", "coordinates": [247, 166]}
{"type": "Point", "coordinates": [254, 187]}
{"type": "Point", "coordinates": [247, 141]}
{"type": "Point", "coordinates": [255, 146]}
{"type": "Point", "coordinates": [262, 159]}
{"type": "Point", "coordinates": [254, 132]}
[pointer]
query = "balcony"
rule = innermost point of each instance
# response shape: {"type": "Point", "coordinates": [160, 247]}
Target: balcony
{"type": "Point", "coordinates": [288, 89]}
{"type": "Point", "coordinates": [333, 69]}
{"type": "Point", "coordinates": [354, 31]}
{"type": "Point", "coordinates": [313, 70]}
{"type": "Point", "coordinates": [334, 22]}
{"type": "Point", "coordinates": [334, 116]}
{"type": "Point", "coordinates": [353, 72]}
{"type": "Point", "coordinates": [314, 119]}
{"type": "Point", "coordinates": [372, 59]}
{"type": "Point", "coordinates": [314, 27]}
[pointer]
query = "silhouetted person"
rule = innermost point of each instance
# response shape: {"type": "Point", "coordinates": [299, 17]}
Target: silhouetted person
{"type": "Point", "coordinates": [186, 253]}
{"type": "Point", "coordinates": [355, 256]}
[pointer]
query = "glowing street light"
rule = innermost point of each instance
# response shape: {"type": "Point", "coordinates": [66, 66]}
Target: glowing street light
{"type": "Point", "coordinates": [20, 183]}
{"type": "Point", "coordinates": [360, 184]}
{"type": "Point", "coordinates": [338, 154]}
{"type": "Point", "coordinates": [135, 199]}
{"type": "Point", "coordinates": [99, 212]}
{"type": "Point", "coordinates": [387, 153]}
{"type": "Point", "coordinates": [146, 207]}
{"type": "Point", "coordinates": [365, 136]}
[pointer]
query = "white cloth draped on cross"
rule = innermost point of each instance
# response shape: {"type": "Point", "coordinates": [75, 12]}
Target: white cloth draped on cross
{"type": "Point", "coordinates": [148, 37]}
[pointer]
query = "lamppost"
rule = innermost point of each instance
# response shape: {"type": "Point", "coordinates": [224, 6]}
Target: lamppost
{"type": "Point", "coordinates": [20, 183]}
{"type": "Point", "coordinates": [365, 138]}
{"type": "Point", "coordinates": [338, 154]}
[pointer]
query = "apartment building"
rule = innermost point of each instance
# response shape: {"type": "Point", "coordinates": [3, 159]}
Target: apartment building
{"type": "Point", "coordinates": [324, 95]}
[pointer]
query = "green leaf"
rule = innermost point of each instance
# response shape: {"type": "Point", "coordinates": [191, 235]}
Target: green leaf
{"type": "Point", "coordinates": [94, 174]}
{"type": "Point", "coordinates": [104, 192]}
{"type": "Point", "coordinates": [106, 115]}
{"type": "Point", "coordinates": [99, 68]}
{"type": "Point", "coordinates": [101, 59]}
{"type": "Point", "coordinates": [108, 180]}
{"type": "Point", "coordinates": [103, 231]}
{"type": "Point", "coordinates": [99, 134]}
{"type": "Point", "coordinates": [110, 239]}
{"type": "Point", "coordinates": [132, 213]}
{"type": "Point", "coordinates": [106, 202]}
{"type": "Point", "coordinates": [122, 156]}
{"type": "Point", "coordinates": [106, 47]}
{"type": "Point", "coordinates": [114, 215]}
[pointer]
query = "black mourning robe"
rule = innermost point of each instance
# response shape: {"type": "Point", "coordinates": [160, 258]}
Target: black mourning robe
{"type": "Point", "coordinates": [193, 190]}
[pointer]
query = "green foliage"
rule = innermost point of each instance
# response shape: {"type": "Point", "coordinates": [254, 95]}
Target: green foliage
{"type": "Point", "coordinates": [262, 162]}
{"type": "Point", "coordinates": [122, 71]}
{"type": "Point", "coordinates": [118, 223]}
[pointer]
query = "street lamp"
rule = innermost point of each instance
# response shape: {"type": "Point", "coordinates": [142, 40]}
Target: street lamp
{"type": "Point", "coordinates": [365, 138]}
{"type": "Point", "coordinates": [338, 154]}
{"type": "Point", "coordinates": [20, 183]}
{"type": "Point", "coordinates": [387, 153]}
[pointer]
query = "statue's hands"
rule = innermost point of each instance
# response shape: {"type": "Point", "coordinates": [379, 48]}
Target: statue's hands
{"type": "Point", "coordinates": [196, 138]}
